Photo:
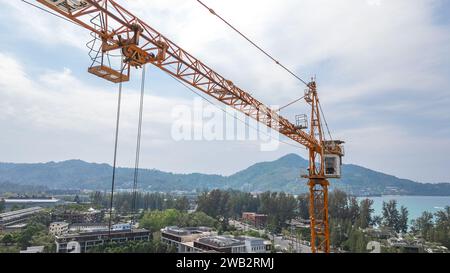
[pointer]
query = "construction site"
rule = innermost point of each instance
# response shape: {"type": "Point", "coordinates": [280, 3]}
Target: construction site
{"type": "Point", "coordinates": [319, 210]}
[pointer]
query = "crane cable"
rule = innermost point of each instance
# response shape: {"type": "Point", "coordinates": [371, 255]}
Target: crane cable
{"type": "Point", "coordinates": [138, 148]}
{"type": "Point", "coordinates": [213, 12]}
{"type": "Point", "coordinates": [325, 120]}
{"type": "Point", "coordinates": [289, 104]}
{"type": "Point", "coordinates": [52, 13]}
{"type": "Point", "coordinates": [253, 43]}
{"type": "Point", "coordinates": [119, 102]}
{"type": "Point", "coordinates": [231, 115]}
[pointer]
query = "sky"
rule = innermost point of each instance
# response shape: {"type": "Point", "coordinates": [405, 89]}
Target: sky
{"type": "Point", "coordinates": [382, 68]}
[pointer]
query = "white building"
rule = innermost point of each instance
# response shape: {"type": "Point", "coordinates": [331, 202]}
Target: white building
{"type": "Point", "coordinates": [88, 227]}
{"type": "Point", "coordinates": [126, 226]}
{"type": "Point", "coordinates": [256, 245]}
{"type": "Point", "coordinates": [58, 228]}
{"type": "Point", "coordinates": [183, 238]}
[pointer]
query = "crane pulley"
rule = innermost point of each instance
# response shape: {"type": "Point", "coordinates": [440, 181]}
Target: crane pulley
{"type": "Point", "coordinates": [140, 44]}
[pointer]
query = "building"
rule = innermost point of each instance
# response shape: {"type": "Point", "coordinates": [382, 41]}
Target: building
{"type": "Point", "coordinates": [97, 227]}
{"type": "Point", "coordinates": [255, 219]}
{"type": "Point", "coordinates": [222, 244]}
{"type": "Point", "coordinates": [82, 242]}
{"type": "Point", "coordinates": [74, 216]}
{"type": "Point", "coordinates": [203, 239]}
{"type": "Point", "coordinates": [13, 228]}
{"type": "Point", "coordinates": [256, 245]}
{"type": "Point", "coordinates": [33, 249]}
{"type": "Point", "coordinates": [88, 227]}
{"type": "Point", "coordinates": [58, 228]}
{"type": "Point", "coordinates": [17, 217]}
{"type": "Point", "coordinates": [33, 202]}
{"type": "Point", "coordinates": [183, 238]}
{"type": "Point", "coordinates": [126, 226]}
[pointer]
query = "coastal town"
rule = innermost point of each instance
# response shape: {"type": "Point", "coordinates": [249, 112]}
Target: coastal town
{"type": "Point", "coordinates": [84, 227]}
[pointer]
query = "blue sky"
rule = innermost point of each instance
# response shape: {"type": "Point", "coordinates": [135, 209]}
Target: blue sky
{"type": "Point", "coordinates": [383, 70]}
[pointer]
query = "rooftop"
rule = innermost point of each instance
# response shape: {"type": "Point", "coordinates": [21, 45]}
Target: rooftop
{"type": "Point", "coordinates": [174, 230]}
{"type": "Point", "coordinates": [21, 212]}
{"type": "Point", "coordinates": [102, 233]}
{"type": "Point", "coordinates": [221, 241]}
{"type": "Point", "coordinates": [31, 201]}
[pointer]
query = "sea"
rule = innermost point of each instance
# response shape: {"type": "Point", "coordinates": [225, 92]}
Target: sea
{"type": "Point", "coordinates": [416, 205]}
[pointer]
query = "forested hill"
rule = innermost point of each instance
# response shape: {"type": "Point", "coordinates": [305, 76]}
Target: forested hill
{"type": "Point", "coordinates": [279, 175]}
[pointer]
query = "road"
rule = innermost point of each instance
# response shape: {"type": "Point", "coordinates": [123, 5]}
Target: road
{"type": "Point", "coordinates": [283, 243]}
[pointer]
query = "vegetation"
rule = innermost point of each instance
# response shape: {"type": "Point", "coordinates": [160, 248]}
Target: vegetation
{"type": "Point", "coordinates": [223, 205]}
{"type": "Point", "coordinates": [348, 218]}
{"type": "Point", "coordinates": [434, 228]}
{"type": "Point", "coordinates": [8, 189]}
{"type": "Point", "coordinates": [277, 176]}
{"type": "Point", "coordinates": [35, 234]}
{"type": "Point", "coordinates": [2, 205]}
{"type": "Point", "coordinates": [155, 246]}
{"type": "Point", "coordinates": [394, 219]}
{"type": "Point", "coordinates": [123, 202]}
{"type": "Point", "coordinates": [156, 220]}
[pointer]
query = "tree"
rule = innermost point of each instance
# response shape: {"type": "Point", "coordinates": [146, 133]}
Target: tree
{"type": "Point", "coordinates": [391, 215]}
{"type": "Point", "coordinates": [365, 214]}
{"type": "Point", "coordinates": [402, 225]}
{"type": "Point", "coordinates": [337, 232]}
{"type": "Point", "coordinates": [182, 204]}
{"type": "Point", "coordinates": [156, 220]}
{"type": "Point", "coordinates": [376, 220]}
{"type": "Point", "coordinates": [424, 225]}
{"type": "Point", "coordinates": [303, 205]}
{"type": "Point", "coordinates": [97, 199]}
{"type": "Point", "coordinates": [77, 199]}
{"type": "Point", "coordinates": [216, 204]}
{"type": "Point", "coordinates": [2, 205]}
{"type": "Point", "coordinates": [7, 240]}
{"type": "Point", "coordinates": [338, 204]}
{"type": "Point", "coordinates": [356, 242]}
{"type": "Point", "coordinates": [155, 246]}
{"type": "Point", "coordinates": [353, 210]}
{"type": "Point", "coordinates": [442, 229]}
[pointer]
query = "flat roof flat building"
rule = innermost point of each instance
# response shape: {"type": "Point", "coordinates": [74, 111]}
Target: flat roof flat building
{"type": "Point", "coordinates": [201, 239]}
{"type": "Point", "coordinates": [222, 244]}
{"type": "Point", "coordinates": [82, 242]}
{"type": "Point", "coordinates": [17, 216]}
{"type": "Point", "coordinates": [183, 238]}
{"type": "Point", "coordinates": [255, 219]}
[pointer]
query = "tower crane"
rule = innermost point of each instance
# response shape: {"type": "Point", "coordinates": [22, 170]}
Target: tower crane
{"type": "Point", "coordinates": [140, 44]}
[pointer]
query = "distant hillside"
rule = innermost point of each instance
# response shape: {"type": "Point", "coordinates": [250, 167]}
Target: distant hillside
{"type": "Point", "coordinates": [279, 175]}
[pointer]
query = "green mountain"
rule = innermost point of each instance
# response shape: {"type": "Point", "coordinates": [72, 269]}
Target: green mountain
{"type": "Point", "coordinates": [279, 175]}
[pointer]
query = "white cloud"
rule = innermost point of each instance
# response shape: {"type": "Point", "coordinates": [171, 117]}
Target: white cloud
{"type": "Point", "coordinates": [30, 23]}
{"type": "Point", "coordinates": [380, 66]}
{"type": "Point", "coordinates": [394, 151]}
{"type": "Point", "coordinates": [56, 99]}
{"type": "Point", "coordinates": [54, 116]}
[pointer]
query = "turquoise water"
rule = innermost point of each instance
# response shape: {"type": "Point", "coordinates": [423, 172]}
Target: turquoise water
{"type": "Point", "coordinates": [416, 205]}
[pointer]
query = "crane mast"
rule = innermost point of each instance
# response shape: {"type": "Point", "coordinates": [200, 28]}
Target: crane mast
{"type": "Point", "coordinates": [140, 44]}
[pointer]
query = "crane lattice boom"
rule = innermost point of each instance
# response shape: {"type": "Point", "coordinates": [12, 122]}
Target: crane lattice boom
{"type": "Point", "coordinates": [140, 44]}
